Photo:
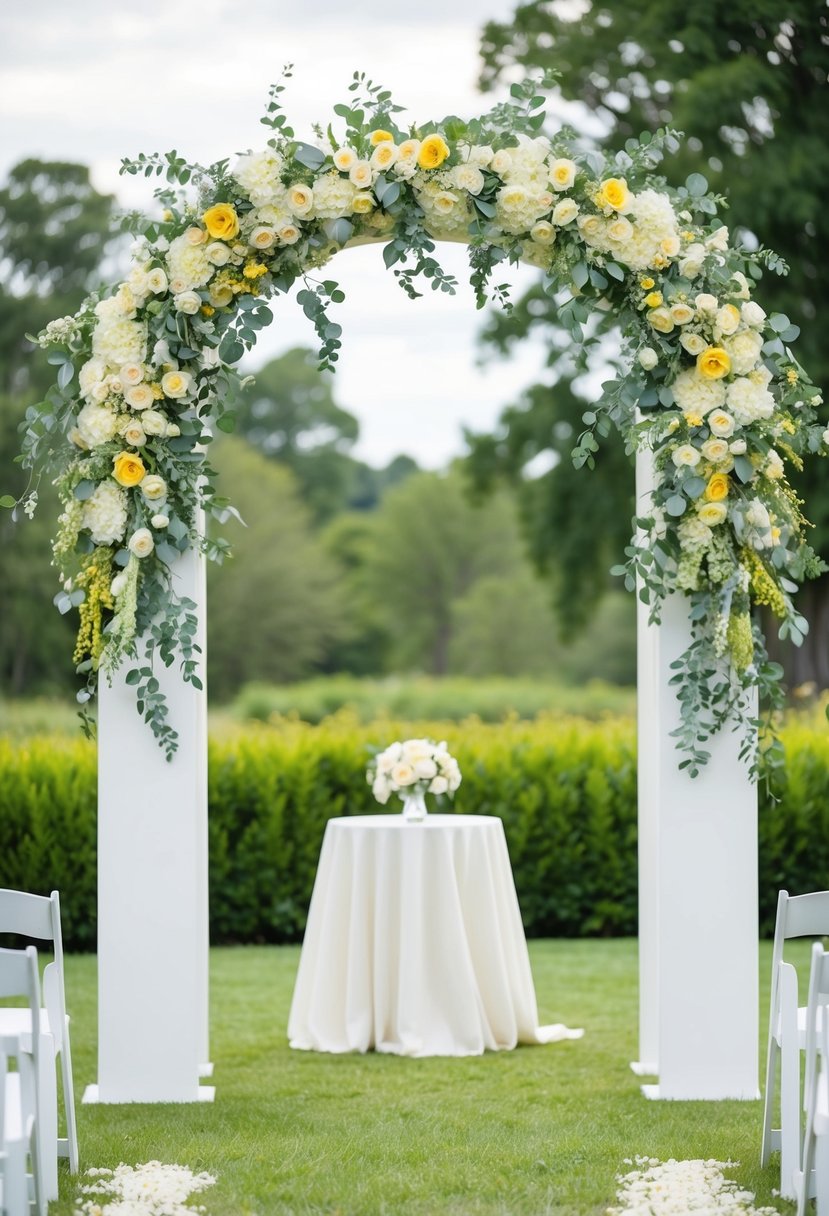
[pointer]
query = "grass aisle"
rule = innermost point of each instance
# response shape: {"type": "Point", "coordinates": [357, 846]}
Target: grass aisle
{"type": "Point", "coordinates": [540, 1131]}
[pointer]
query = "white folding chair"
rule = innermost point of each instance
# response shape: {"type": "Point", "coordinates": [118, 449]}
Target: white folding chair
{"type": "Point", "coordinates": [797, 916]}
{"type": "Point", "coordinates": [811, 1178]}
{"type": "Point", "coordinates": [19, 1130]}
{"type": "Point", "coordinates": [38, 917]}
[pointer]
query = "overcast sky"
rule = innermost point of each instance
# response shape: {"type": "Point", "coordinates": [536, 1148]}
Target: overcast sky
{"type": "Point", "coordinates": [97, 80]}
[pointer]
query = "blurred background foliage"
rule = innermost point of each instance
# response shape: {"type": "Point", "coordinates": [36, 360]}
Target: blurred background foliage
{"type": "Point", "coordinates": [496, 569]}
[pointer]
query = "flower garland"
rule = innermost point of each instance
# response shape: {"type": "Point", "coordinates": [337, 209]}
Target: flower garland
{"type": "Point", "coordinates": [713, 390]}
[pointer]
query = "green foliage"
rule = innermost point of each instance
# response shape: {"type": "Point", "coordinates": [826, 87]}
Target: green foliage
{"type": "Point", "coordinates": [424, 698]}
{"type": "Point", "coordinates": [748, 87]}
{"type": "Point", "coordinates": [565, 789]}
{"type": "Point", "coordinates": [280, 578]}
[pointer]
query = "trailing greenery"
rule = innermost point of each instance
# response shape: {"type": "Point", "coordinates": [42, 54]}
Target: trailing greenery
{"type": "Point", "coordinates": [566, 791]}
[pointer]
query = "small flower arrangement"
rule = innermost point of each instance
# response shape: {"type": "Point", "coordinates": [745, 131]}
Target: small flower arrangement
{"type": "Point", "coordinates": [416, 766]}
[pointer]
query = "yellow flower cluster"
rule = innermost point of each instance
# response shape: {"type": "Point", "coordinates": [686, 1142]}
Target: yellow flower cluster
{"type": "Point", "coordinates": [95, 579]}
{"type": "Point", "coordinates": [763, 587]}
{"type": "Point", "coordinates": [740, 640]}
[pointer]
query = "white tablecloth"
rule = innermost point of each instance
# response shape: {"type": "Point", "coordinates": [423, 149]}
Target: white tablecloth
{"type": "Point", "coordinates": [414, 943]}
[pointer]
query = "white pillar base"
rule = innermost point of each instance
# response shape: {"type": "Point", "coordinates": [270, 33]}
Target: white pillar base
{"type": "Point", "coordinates": [92, 1097]}
{"type": "Point", "coordinates": [699, 1020]}
{"type": "Point", "coordinates": [152, 888]}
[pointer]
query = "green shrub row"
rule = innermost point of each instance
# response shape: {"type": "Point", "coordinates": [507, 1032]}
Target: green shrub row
{"type": "Point", "coordinates": [566, 791]}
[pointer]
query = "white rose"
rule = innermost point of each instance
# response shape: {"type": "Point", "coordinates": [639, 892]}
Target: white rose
{"type": "Point", "coordinates": [693, 343]}
{"type": "Point", "coordinates": [140, 397]}
{"type": "Point", "coordinates": [173, 429]}
{"type": "Point", "coordinates": [543, 233]}
{"type": "Point", "coordinates": [403, 774]}
{"type": "Point", "coordinates": [648, 358]}
{"type": "Point", "coordinates": [360, 174]}
{"type": "Point", "coordinates": [131, 373]}
{"type": "Point", "coordinates": [289, 234]}
{"type": "Point", "coordinates": [187, 302]}
{"type": "Point", "coordinates": [728, 319]}
{"type": "Point", "coordinates": [176, 384]}
{"type": "Point", "coordinates": [153, 487]}
{"type": "Point", "coordinates": [383, 156]}
{"type": "Point", "coordinates": [737, 447]}
{"type": "Point", "coordinates": [438, 785]}
{"type": "Point", "coordinates": [685, 455]}
{"type": "Point", "coordinates": [300, 199]}
{"type": "Point", "coordinates": [501, 162]}
{"type": "Point", "coordinates": [157, 280]}
{"type": "Point", "coordinates": [408, 152]}
{"type": "Point", "coordinates": [262, 237]}
{"type": "Point", "coordinates": [718, 240]}
{"type": "Point", "coordinates": [753, 314]}
{"type": "Point", "coordinates": [715, 450]}
{"type": "Point", "coordinates": [565, 211]}
{"type": "Point", "coordinates": [682, 313]}
{"type": "Point", "coordinates": [217, 253]}
{"type": "Point", "coordinates": [195, 236]}
{"type": "Point", "coordinates": [562, 173]}
{"type": "Point", "coordinates": [134, 434]}
{"type": "Point", "coordinates": [344, 158]}
{"type": "Point", "coordinates": [691, 263]}
{"type": "Point", "coordinates": [160, 521]}
{"type": "Point", "coordinates": [381, 789]}
{"type": "Point", "coordinates": [826, 436]}
{"type": "Point", "coordinates": [706, 303]}
{"type": "Point", "coordinates": [91, 374]}
{"type": "Point", "coordinates": [425, 768]}
{"type": "Point", "coordinates": [118, 583]}
{"type": "Point", "coordinates": [721, 423]}
{"type": "Point", "coordinates": [100, 392]}
{"type": "Point", "coordinates": [141, 542]}
{"type": "Point", "coordinates": [153, 422]}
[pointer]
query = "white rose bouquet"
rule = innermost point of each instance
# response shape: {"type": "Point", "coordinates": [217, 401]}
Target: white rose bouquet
{"type": "Point", "coordinates": [416, 766]}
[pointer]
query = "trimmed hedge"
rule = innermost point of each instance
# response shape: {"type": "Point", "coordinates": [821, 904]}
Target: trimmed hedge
{"type": "Point", "coordinates": [565, 789]}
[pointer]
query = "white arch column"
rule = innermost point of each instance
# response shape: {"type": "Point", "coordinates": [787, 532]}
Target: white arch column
{"type": "Point", "coordinates": [152, 887]}
{"type": "Point", "coordinates": [698, 927]}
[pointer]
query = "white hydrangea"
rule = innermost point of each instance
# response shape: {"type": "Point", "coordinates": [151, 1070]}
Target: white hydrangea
{"type": "Point", "coordinates": [694, 535]}
{"type": "Point", "coordinates": [189, 265]}
{"type": "Point", "coordinates": [748, 402]}
{"type": "Point", "coordinates": [333, 196]}
{"type": "Point", "coordinates": [116, 342]}
{"type": "Point", "coordinates": [519, 206]}
{"type": "Point", "coordinates": [654, 232]}
{"type": "Point", "coordinates": [97, 425]}
{"type": "Point", "coordinates": [105, 513]}
{"type": "Point", "coordinates": [445, 211]}
{"type": "Point", "coordinates": [259, 175]}
{"type": "Point", "coordinates": [693, 393]}
{"type": "Point", "coordinates": [744, 350]}
{"type": "Point", "coordinates": [91, 373]}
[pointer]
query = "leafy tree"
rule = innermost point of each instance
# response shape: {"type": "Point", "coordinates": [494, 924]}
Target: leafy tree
{"type": "Point", "coordinates": [747, 83]}
{"type": "Point", "coordinates": [54, 231]}
{"type": "Point", "coordinates": [430, 545]}
{"type": "Point", "coordinates": [274, 608]}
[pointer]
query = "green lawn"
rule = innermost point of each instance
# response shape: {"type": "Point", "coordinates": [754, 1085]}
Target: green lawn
{"type": "Point", "coordinates": [540, 1131]}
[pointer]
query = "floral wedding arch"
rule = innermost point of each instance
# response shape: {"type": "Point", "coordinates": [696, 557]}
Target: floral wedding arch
{"type": "Point", "coordinates": [144, 372]}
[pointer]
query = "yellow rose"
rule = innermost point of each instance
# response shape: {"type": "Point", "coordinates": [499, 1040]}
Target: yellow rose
{"type": "Point", "coordinates": [221, 222]}
{"type": "Point", "coordinates": [661, 320]}
{"type": "Point", "coordinates": [614, 193]}
{"type": "Point", "coordinates": [717, 488]}
{"type": "Point", "coordinates": [380, 137]}
{"type": "Point", "coordinates": [653, 299]}
{"type": "Point", "coordinates": [433, 152]}
{"type": "Point", "coordinates": [714, 363]}
{"type": "Point", "coordinates": [128, 469]}
{"type": "Point", "coordinates": [646, 284]}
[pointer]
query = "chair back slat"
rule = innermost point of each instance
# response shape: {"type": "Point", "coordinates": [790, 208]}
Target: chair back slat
{"type": "Point", "coordinates": [807, 915]}
{"type": "Point", "coordinates": [28, 915]}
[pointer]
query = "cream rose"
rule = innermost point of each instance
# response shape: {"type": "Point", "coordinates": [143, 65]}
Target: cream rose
{"type": "Point", "coordinates": [160, 521]}
{"type": "Point", "coordinates": [134, 434]}
{"type": "Point", "coordinates": [685, 456]}
{"type": "Point", "coordinates": [156, 280]}
{"type": "Point", "coordinates": [300, 199]}
{"type": "Point", "coordinates": [262, 237]}
{"type": "Point", "coordinates": [562, 173]}
{"type": "Point", "coordinates": [648, 358]}
{"type": "Point", "coordinates": [344, 158]}
{"type": "Point", "coordinates": [176, 384]}
{"type": "Point", "coordinates": [217, 253]}
{"type": "Point", "coordinates": [131, 374]}
{"type": "Point", "coordinates": [141, 542]}
{"type": "Point", "coordinates": [543, 233]}
{"type": "Point", "coordinates": [360, 174]}
{"type": "Point", "coordinates": [682, 313]}
{"type": "Point", "coordinates": [693, 343]}
{"type": "Point", "coordinates": [188, 302]}
{"type": "Point", "coordinates": [153, 487]}
{"type": "Point", "coordinates": [721, 423]}
{"type": "Point", "coordinates": [139, 397]}
{"type": "Point", "coordinates": [728, 319]}
{"type": "Point", "coordinates": [565, 212]}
